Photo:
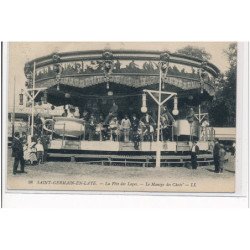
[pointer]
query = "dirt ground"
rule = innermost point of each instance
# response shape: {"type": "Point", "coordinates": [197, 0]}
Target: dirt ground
{"type": "Point", "coordinates": [76, 176]}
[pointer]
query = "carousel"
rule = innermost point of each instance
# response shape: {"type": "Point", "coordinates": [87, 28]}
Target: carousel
{"type": "Point", "coordinates": [124, 106]}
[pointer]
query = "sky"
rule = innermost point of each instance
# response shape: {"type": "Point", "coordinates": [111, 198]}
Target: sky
{"type": "Point", "coordinates": [22, 52]}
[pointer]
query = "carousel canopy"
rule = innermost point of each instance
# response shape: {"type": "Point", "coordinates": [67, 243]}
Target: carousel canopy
{"type": "Point", "coordinates": [74, 76]}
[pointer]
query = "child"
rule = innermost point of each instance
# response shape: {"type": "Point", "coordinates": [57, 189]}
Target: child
{"type": "Point", "coordinates": [32, 152]}
{"type": "Point", "coordinates": [26, 153]}
{"type": "Point", "coordinates": [39, 151]}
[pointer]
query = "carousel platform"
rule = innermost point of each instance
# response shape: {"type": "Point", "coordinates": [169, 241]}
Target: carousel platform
{"type": "Point", "coordinates": [118, 146]}
{"type": "Point", "coordinates": [120, 153]}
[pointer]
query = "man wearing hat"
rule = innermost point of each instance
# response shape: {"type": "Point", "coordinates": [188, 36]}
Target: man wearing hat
{"type": "Point", "coordinates": [194, 152]}
{"type": "Point", "coordinates": [216, 154]}
{"type": "Point", "coordinates": [17, 153]}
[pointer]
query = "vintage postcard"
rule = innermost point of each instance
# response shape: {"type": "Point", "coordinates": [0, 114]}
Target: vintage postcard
{"type": "Point", "coordinates": [122, 117]}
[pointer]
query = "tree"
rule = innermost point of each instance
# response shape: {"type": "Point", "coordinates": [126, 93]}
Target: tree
{"type": "Point", "coordinates": [195, 52]}
{"type": "Point", "coordinates": [223, 109]}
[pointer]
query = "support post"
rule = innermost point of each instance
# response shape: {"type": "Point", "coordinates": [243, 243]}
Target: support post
{"type": "Point", "coordinates": [159, 103]}
{"type": "Point", "coordinates": [63, 134]}
{"type": "Point", "coordinates": [14, 109]}
{"type": "Point", "coordinates": [158, 150]}
{"type": "Point", "coordinates": [33, 100]}
{"type": "Point", "coordinates": [172, 132]}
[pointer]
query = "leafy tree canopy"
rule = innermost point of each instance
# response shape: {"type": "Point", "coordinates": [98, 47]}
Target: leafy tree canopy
{"type": "Point", "coordinates": [222, 110]}
{"type": "Point", "coordinates": [195, 52]}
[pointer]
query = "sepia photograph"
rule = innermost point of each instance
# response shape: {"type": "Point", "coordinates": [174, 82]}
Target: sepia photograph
{"type": "Point", "coordinates": [122, 117]}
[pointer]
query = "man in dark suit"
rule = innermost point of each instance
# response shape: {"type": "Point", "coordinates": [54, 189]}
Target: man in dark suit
{"type": "Point", "coordinates": [45, 141]}
{"type": "Point", "coordinates": [194, 152]}
{"type": "Point", "coordinates": [148, 120]}
{"type": "Point", "coordinates": [135, 126]}
{"type": "Point", "coordinates": [17, 153]}
{"type": "Point", "coordinates": [216, 153]}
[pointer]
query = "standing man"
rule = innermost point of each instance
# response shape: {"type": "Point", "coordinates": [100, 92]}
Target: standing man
{"type": "Point", "coordinates": [17, 153]}
{"type": "Point", "coordinates": [126, 124]}
{"type": "Point", "coordinates": [166, 121]}
{"type": "Point", "coordinates": [194, 152]}
{"type": "Point", "coordinates": [134, 123]}
{"type": "Point", "coordinates": [45, 141]}
{"type": "Point", "coordinates": [135, 135]}
{"type": "Point", "coordinates": [91, 127]}
{"type": "Point", "coordinates": [216, 153]}
{"type": "Point", "coordinates": [38, 124]}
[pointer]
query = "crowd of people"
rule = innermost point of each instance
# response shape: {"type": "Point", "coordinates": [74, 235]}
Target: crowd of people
{"type": "Point", "coordinates": [219, 155]}
{"type": "Point", "coordinates": [29, 150]}
{"type": "Point", "coordinates": [129, 128]}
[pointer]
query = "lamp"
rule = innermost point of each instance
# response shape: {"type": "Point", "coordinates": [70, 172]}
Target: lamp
{"type": "Point", "coordinates": [144, 108]}
{"type": "Point", "coordinates": [21, 97]}
{"type": "Point", "coordinates": [110, 93]}
{"type": "Point", "coordinates": [67, 95]}
{"type": "Point", "coordinates": [175, 110]}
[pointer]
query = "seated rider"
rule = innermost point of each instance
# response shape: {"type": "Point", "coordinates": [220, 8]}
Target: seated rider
{"type": "Point", "coordinates": [166, 121]}
{"type": "Point", "coordinates": [91, 126]}
{"type": "Point", "coordinates": [191, 115]}
{"type": "Point", "coordinates": [112, 112]}
{"type": "Point", "coordinates": [71, 112]}
{"type": "Point", "coordinates": [149, 123]}
{"type": "Point", "coordinates": [114, 128]}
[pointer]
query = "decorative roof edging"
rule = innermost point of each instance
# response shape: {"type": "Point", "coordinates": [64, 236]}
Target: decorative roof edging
{"type": "Point", "coordinates": [131, 81]}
